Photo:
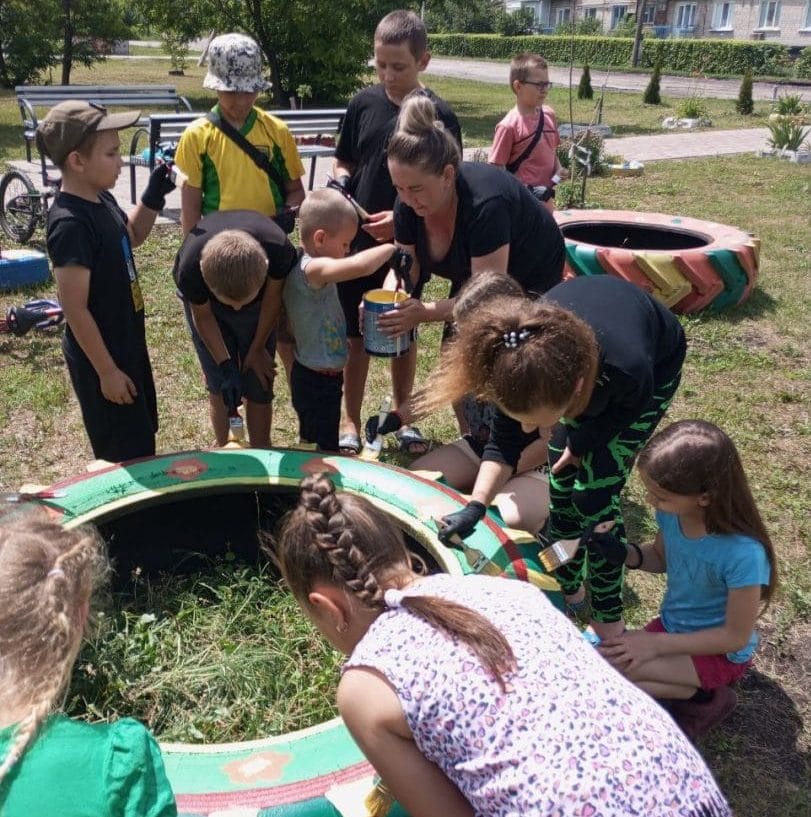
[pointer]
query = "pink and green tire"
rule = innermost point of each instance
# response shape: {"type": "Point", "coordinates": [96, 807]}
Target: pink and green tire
{"type": "Point", "coordinates": [689, 264]}
{"type": "Point", "coordinates": [316, 772]}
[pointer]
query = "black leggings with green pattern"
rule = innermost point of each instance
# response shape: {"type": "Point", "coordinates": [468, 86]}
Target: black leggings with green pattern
{"type": "Point", "coordinates": [590, 493]}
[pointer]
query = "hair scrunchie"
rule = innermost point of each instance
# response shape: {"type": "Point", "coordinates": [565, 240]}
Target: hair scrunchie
{"type": "Point", "coordinates": [393, 598]}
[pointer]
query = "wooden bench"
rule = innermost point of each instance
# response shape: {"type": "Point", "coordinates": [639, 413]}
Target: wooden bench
{"type": "Point", "coordinates": [139, 97]}
{"type": "Point", "coordinates": [315, 131]}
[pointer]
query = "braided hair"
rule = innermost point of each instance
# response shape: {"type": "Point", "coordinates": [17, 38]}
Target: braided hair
{"type": "Point", "coordinates": [344, 540]}
{"type": "Point", "coordinates": [47, 574]}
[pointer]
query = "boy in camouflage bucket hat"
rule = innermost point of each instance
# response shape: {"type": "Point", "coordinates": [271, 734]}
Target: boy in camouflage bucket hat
{"type": "Point", "coordinates": [235, 64]}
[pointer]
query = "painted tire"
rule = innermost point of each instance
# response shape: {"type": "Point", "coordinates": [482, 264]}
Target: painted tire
{"type": "Point", "coordinates": [687, 263]}
{"type": "Point", "coordinates": [304, 773]}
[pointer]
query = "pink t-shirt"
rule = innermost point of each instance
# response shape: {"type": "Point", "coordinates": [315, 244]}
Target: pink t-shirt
{"type": "Point", "coordinates": [571, 737]}
{"type": "Point", "coordinates": [512, 137]}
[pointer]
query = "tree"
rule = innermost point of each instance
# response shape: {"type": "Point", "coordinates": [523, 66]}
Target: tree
{"type": "Point", "coordinates": [744, 102]}
{"type": "Point", "coordinates": [303, 41]}
{"type": "Point", "coordinates": [470, 16]}
{"type": "Point", "coordinates": [87, 28]}
{"type": "Point", "coordinates": [652, 95]}
{"type": "Point", "coordinates": [584, 89]}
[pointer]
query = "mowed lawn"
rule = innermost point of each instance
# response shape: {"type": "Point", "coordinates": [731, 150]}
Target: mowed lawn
{"type": "Point", "coordinates": [747, 370]}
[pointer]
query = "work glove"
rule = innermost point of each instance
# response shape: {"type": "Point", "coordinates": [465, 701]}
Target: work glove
{"type": "Point", "coordinates": [160, 184]}
{"type": "Point", "coordinates": [461, 522]}
{"type": "Point", "coordinates": [604, 546]}
{"type": "Point", "coordinates": [391, 422]}
{"type": "Point", "coordinates": [401, 262]}
{"type": "Point", "coordinates": [231, 385]}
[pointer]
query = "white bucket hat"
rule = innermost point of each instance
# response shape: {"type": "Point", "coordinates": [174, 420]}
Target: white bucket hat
{"type": "Point", "coordinates": [235, 64]}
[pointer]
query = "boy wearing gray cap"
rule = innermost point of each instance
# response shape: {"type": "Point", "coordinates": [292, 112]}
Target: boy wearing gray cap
{"type": "Point", "coordinates": [220, 175]}
{"type": "Point", "coordinates": [90, 241]}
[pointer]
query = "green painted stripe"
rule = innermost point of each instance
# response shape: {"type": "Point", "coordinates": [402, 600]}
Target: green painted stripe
{"type": "Point", "coordinates": [729, 269]}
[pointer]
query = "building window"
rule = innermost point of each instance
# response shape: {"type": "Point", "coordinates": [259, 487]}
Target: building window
{"type": "Point", "coordinates": [591, 13]}
{"type": "Point", "coordinates": [686, 15]}
{"type": "Point", "coordinates": [807, 24]}
{"type": "Point", "coordinates": [617, 15]}
{"type": "Point", "coordinates": [722, 16]}
{"type": "Point", "coordinates": [563, 15]}
{"type": "Point", "coordinates": [649, 14]}
{"type": "Point", "coordinates": [769, 14]}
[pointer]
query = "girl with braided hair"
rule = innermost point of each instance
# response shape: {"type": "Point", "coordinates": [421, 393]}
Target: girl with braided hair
{"type": "Point", "coordinates": [458, 710]}
{"type": "Point", "coordinates": [598, 361]}
{"type": "Point", "coordinates": [47, 576]}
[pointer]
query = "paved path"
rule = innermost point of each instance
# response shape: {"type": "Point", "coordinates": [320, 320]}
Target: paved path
{"type": "Point", "coordinates": [498, 72]}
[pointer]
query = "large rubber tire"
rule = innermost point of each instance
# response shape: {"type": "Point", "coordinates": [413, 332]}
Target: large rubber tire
{"type": "Point", "coordinates": [294, 774]}
{"type": "Point", "coordinates": [689, 264]}
{"type": "Point", "coordinates": [19, 206]}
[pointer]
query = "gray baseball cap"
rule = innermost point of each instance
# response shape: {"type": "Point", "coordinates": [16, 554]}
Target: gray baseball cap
{"type": "Point", "coordinates": [67, 124]}
{"type": "Point", "coordinates": [235, 64]}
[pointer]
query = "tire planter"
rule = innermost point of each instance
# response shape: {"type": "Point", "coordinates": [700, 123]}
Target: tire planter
{"type": "Point", "coordinates": [315, 772]}
{"type": "Point", "coordinates": [688, 264]}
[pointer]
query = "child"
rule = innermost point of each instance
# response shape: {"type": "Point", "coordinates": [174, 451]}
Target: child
{"type": "Point", "coordinates": [599, 355]}
{"type": "Point", "coordinates": [219, 174]}
{"type": "Point", "coordinates": [455, 707]}
{"type": "Point", "coordinates": [230, 271]}
{"type": "Point", "coordinates": [50, 764]}
{"type": "Point", "coordinates": [401, 54]}
{"type": "Point", "coordinates": [720, 566]}
{"type": "Point", "coordinates": [90, 243]}
{"type": "Point", "coordinates": [328, 225]}
{"type": "Point", "coordinates": [517, 144]}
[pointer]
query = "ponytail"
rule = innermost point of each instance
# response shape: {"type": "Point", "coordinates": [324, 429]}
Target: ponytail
{"type": "Point", "coordinates": [420, 139]}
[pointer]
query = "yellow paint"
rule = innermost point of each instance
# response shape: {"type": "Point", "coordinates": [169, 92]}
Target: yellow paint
{"type": "Point", "coordinates": [670, 286]}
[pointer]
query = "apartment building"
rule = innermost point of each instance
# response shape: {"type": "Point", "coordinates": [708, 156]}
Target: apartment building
{"type": "Point", "coordinates": [785, 21]}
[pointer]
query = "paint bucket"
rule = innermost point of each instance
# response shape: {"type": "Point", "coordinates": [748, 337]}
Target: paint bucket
{"type": "Point", "coordinates": [375, 303]}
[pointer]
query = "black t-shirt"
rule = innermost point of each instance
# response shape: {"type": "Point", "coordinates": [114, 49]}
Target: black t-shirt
{"type": "Point", "coordinates": [93, 235]}
{"type": "Point", "coordinates": [494, 209]}
{"type": "Point", "coordinates": [188, 276]}
{"type": "Point", "coordinates": [368, 125]}
{"type": "Point", "coordinates": [642, 346]}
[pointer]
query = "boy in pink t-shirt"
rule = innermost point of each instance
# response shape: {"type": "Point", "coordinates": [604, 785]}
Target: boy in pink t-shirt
{"type": "Point", "coordinates": [540, 168]}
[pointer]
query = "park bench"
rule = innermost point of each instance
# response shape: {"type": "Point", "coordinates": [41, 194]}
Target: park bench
{"type": "Point", "coordinates": [139, 97]}
{"type": "Point", "coordinates": [315, 131]}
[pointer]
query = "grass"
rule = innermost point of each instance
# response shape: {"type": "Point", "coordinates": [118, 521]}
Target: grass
{"type": "Point", "coordinates": [747, 370]}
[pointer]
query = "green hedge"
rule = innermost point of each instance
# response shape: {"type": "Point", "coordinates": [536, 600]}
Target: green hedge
{"type": "Point", "coordinates": [706, 56]}
{"type": "Point", "coordinates": [803, 65]}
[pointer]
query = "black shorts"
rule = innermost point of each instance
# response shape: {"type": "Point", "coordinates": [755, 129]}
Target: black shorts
{"type": "Point", "coordinates": [238, 328]}
{"type": "Point", "coordinates": [350, 294]}
{"type": "Point", "coordinates": [117, 432]}
{"type": "Point", "coordinates": [317, 401]}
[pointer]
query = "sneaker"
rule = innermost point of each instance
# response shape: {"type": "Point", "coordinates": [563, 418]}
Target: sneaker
{"type": "Point", "coordinates": [696, 719]}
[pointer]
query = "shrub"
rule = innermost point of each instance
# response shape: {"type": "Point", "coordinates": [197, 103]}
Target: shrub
{"type": "Point", "coordinates": [584, 89]}
{"type": "Point", "coordinates": [787, 135]}
{"type": "Point", "coordinates": [591, 141]}
{"type": "Point", "coordinates": [510, 23]}
{"type": "Point", "coordinates": [802, 65]}
{"type": "Point", "coordinates": [744, 104]}
{"type": "Point", "coordinates": [692, 107]}
{"type": "Point", "coordinates": [652, 95]}
{"type": "Point", "coordinates": [789, 105]}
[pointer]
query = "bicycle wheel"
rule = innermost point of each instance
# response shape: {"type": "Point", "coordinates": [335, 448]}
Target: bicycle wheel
{"type": "Point", "coordinates": [19, 206]}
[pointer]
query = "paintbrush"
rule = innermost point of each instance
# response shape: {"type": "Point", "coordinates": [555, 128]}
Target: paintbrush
{"type": "Point", "coordinates": [479, 563]}
{"type": "Point", "coordinates": [371, 450]}
{"type": "Point", "coordinates": [363, 215]}
{"type": "Point", "coordinates": [564, 550]}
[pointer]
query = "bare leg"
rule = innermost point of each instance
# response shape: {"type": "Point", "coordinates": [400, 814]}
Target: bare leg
{"type": "Point", "coordinates": [607, 629]}
{"type": "Point", "coordinates": [287, 353]}
{"type": "Point", "coordinates": [355, 373]}
{"type": "Point", "coordinates": [403, 371]}
{"type": "Point", "coordinates": [524, 502]}
{"type": "Point", "coordinates": [258, 417]}
{"type": "Point", "coordinates": [458, 468]}
{"type": "Point", "coordinates": [219, 418]}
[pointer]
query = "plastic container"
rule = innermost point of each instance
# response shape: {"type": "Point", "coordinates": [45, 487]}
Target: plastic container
{"type": "Point", "coordinates": [375, 303]}
{"type": "Point", "coordinates": [22, 268]}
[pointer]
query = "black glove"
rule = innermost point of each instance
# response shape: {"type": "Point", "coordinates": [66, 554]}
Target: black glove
{"type": "Point", "coordinates": [461, 522]}
{"type": "Point", "coordinates": [231, 387]}
{"type": "Point", "coordinates": [160, 184]}
{"type": "Point", "coordinates": [343, 181]}
{"type": "Point", "coordinates": [540, 192]}
{"type": "Point", "coordinates": [391, 422]}
{"type": "Point", "coordinates": [604, 546]}
{"type": "Point", "coordinates": [401, 262]}
{"type": "Point", "coordinates": [286, 219]}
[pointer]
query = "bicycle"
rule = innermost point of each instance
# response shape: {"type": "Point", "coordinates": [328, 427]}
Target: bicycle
{"type": "Point", "coordinates": [23, 207]}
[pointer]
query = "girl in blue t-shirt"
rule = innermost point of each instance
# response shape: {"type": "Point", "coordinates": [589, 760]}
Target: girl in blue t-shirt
{"type": "Point", "coordinates": [50, 763]}
{"type": "Point", "coordinates": [720, 567]}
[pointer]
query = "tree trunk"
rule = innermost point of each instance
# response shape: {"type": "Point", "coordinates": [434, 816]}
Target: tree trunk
{"type": "Point", "coordinates": [266, 44]}
{"type": "Point", "coordinates": [67, 41]}
{"type": "Point", "coordinates": [640, 7]}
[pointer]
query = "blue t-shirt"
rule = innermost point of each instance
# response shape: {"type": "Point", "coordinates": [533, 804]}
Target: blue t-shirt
{"type": "Point", "coordinates": [700, 574]}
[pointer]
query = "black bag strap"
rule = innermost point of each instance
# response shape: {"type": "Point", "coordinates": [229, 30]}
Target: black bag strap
{"type": "Point", "coordinates": [513, 166]}
{"type": "Point", "coordinates": [259, 158]}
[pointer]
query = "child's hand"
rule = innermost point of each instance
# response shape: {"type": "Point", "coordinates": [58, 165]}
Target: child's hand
{"type": "Point", "coordinates": [263, 365]}
{"type": "Point", "coordinates": [160, 184]}
{"type": "Point", "coordinates": [117, 387]}
{"type": "Point", "coordinates": [380, 226]}
{"type": "Point", "coordinates": [404, 317]}
{"type": "Point", "coordinates": [566, 459]}
{"type": "Point", "coordinates": [630, 650]}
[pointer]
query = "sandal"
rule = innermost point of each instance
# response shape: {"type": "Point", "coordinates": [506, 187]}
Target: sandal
{"type": "Point", "coordinates": [410, 438]}
{"type": "Point", "coordinates": [349, 444]}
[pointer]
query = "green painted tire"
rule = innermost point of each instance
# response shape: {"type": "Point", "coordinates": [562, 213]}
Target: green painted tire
{"type": "Point", "coordinates": [304, 773]}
